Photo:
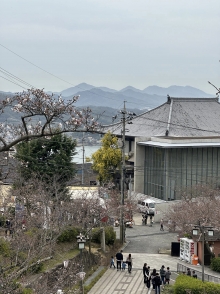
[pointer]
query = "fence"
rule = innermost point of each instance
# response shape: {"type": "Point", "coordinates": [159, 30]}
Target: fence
{"type": "Point", "coordinates": [209, 278]}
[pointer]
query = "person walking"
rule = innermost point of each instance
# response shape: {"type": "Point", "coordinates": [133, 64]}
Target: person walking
{"type": "Point", "coordinates": [157, 282]}
{"type": "Point", "coordinates": [167, 276]}
{"type": "Point", "coordinates": [151, 220]}
{"type": "Point", "coordinates": [162, 274]}
{"type": "Point", "coordinates": [112, 262]}
{"type": "Point", "coordinates": [119, 259]}
{"type": "Point", "coordinates": [145, 218]}
{"type": "Point", "coordinates": [161, 225]}
{"type": "Point", "coordinates": [129, 263]}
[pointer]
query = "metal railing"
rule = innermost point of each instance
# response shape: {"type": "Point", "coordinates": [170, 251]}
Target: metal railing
{"type": "Point", "coordinates": [209, 278]}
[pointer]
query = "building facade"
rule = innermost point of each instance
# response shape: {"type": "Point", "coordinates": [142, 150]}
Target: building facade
{"type": "Point", "coordinates": [174, 147]}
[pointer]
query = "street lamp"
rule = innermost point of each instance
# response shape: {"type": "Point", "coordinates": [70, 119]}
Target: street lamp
{"type": "Point", "coordinates": [203, 230]}
{"type": "Point", "coordinates": [81, 244]}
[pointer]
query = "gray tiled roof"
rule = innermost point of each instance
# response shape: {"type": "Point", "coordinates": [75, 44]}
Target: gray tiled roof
{"type": "Point", "coordinates": [190, 117]}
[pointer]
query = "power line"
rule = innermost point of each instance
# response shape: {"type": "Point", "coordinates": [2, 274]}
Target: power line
{"type": "Point", "coordinates": [7, 73]}
{"type": "Point", "coordinates": [13, 82]}
{"type": "Point", "coordinates": [183, 126]}
{"type": "Point", "coordinates": [53, 74]}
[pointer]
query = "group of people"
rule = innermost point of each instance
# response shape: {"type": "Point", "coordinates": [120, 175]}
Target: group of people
{"type": "Point", "coordinates": [145, 218]}
{"type": "Point", "coordinates": [156, 279]}
{"type": "Point", "coordinates": [120, 262]}
{"type": "Point", "coordinates": [191, 274]}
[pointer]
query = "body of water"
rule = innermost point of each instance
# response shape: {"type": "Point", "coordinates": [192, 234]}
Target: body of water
{"type": "Point", "coordinates": [89, 150]}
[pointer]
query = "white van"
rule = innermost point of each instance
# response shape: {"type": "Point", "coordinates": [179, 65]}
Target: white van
{"type": "Point", "coordinates": [148, 206]}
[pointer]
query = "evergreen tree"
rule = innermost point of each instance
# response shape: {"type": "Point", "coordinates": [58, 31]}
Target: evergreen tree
{"type": "Point", "coordinates": [48, 159]}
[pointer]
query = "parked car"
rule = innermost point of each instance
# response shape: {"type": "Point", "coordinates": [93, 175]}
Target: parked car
{"type": "Point", "coordinates": [147, 206]}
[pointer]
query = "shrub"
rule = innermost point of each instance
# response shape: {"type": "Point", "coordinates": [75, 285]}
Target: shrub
{"type": "Point", "coordinates": [110, 235]}
{"type": "Point", "coordinates": [68, 235]}
{"type": "Point", "coordinates": [4, 248]}
{"type": "Point", "coordinates": [96, 235]}
{"type": "Point", "coordinates": [184, 282]}
{"type": "Point", "coordinates": [215, 264]}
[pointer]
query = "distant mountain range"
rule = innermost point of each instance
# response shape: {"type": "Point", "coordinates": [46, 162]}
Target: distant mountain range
{"type": "Point", "coordinates": [148, 98]}
{"type": "Point", "coordinates": [106, 100]}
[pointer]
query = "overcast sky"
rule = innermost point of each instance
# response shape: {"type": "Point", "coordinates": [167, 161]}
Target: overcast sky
{"type": "Point", "coordinates": [112, 43]}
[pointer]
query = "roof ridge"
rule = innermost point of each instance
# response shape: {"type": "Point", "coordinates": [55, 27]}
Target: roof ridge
{"type": "Point", "coordinates": [214, 99]}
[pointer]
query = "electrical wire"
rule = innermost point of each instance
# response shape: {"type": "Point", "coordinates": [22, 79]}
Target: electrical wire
{"type": "Point", "coordinates": [55, 75]}
{"type": "Point", "coordinates": [13, 82]}
{"type": "Point", "coordinates": [7, 73]}
{"type": "Point", "coordinates": [88, 90]}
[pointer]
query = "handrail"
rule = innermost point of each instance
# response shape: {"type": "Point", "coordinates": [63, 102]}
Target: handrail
{"type": "Point", "coordinates": [207, 277]}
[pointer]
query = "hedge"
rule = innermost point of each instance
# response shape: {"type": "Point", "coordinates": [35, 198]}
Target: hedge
{"type": "Point", "coordinates": [184, 282]}
{"type": "Point", "coordinates": [68, 235]}
{"type": "Point", "coordinates": [110, 235]}
{"type": "Point", "coordinates": [215, 264]}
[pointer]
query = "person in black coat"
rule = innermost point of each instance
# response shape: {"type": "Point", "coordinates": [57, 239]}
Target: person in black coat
{"type": "Point", "coordinates": [119, 258]}
{"type": "Point", "coordinates": [146, 275]}
{"type": "Point", "coordinates": [153, 275]}
{"type": "Point", "coordinates": [157, 281]}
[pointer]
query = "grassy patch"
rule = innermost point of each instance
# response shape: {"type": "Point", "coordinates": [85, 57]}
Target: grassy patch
{"type": "Point", "coordinates": [168, 289]}
{"type": "Point", "coordinates": [59, 258]}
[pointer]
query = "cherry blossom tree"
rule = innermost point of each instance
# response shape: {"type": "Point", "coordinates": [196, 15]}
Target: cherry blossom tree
{"type": "Point", "coordinates": [40, 115]}
{"type": "Point", "coordinates": [200, 204]}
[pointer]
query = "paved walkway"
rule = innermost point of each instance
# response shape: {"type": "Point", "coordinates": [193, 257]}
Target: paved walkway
{"type": "Point", "coordinates": [119, 282]}
{"type": "Point", "coordinates": [114, 282]}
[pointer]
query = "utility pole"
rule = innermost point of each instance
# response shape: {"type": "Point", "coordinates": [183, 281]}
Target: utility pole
{"type": "Point", "coordinates": [83, 149]}
{"type": "Point", "coordinates": [203, 230]}
{"type": "Point", "coordinates": [122, 225]}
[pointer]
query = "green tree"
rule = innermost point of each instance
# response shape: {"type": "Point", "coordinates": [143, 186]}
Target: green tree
{"type": "Point", "coordinates": [107, 159]}
{"type": "Point", "coordinates": [48, 159]}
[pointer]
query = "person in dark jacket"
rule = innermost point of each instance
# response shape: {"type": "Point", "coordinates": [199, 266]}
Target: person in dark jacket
{"type": "Point", "coordinates": [152, 276]}
{"type": "Point", "coordinates": [145, 273]}
{"type": "Point", "coordinates": [188, 272]}
{"type": "Point", "coordinates": [119, 259]}
{"type": "Point", "coordinates": [157, 282]}
{"type": "Point", "coordinates": [162, 274]}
